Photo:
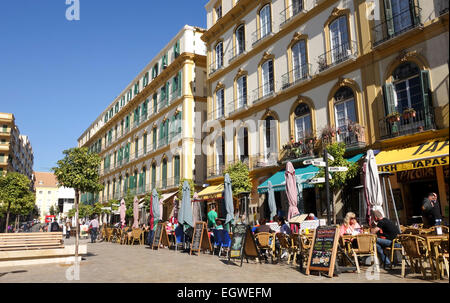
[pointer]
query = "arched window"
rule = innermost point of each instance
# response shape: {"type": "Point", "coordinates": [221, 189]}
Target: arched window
{"type": "Point", "coordinates": [270, 138]}
{"type": "Point", "coordinates": [303, 125]}
{"type": "Point", "coordinates": [299, 62]}
{"type": "Point", "coordinates": [241, 91]}
{"type": "Point", "coordinates": [344, 111]}
{"type": "Point", "coordinates": [243, 151]}
{"type": "Point", "coordinates": [339, 40]}
{"type": "Point", "coordinates": [267, 78]}
{"type": "Point", "coordinates": [219, 55]}
{"type": "Point", "coordinates": [240, 40]}
{"type": "Point", "coordinates": [265, 21]}
{"type": "Point", "coordinates": [220, 103]}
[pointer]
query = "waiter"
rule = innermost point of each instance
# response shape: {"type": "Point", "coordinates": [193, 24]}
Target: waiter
{"type": "Point", "coordinates": [431, 211]}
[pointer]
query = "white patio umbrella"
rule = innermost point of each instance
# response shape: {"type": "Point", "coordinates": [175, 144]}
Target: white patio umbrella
{"type": "Point", "coordinates": [372, 184]}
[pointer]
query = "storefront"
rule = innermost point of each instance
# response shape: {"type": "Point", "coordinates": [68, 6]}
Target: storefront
{"type": "Point", "coordinates": [417, 170]}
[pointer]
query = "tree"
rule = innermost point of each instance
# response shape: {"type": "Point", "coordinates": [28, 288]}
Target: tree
{"type": "Point", "coordinates": [79, 169]}
{"type": "Point", "coordinates": [240, 178]}
{"type": "Point", "coordinates": [180, 188]}
{"type": "Point", "coordinates": [15, 195]}
{"type": "Point", "coordinates": [52, 211]}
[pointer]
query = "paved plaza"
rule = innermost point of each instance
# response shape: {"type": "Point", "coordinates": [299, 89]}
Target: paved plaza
{"type": "Point", "coordinates": [107, 262]}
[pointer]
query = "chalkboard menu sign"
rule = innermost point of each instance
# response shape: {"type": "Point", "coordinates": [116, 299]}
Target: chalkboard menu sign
{"type": "Point", "coordinates": [200, 238]}
{"type": "Point", "coordinates": [243, 243]}
{"type": "Point", "coordinates": [160, 236]}
{"type": "Point", "coordinates": [322, 254]}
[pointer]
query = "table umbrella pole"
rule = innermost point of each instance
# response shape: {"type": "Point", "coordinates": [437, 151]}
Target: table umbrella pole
{"type": "Point", "coordinates": [393, 204]}
{"type": "Point", "coordinates": [327, 185]}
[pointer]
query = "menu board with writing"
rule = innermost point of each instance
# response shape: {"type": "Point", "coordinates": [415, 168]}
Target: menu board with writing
{"type": "Point", "coordinates": [322, 254]}
{"type": "Point", "coordinates": [200, 238]}
{"type": "Point", "coordinates": [243, 243]}
{"type": "Point", "coordinates": [157, 235]}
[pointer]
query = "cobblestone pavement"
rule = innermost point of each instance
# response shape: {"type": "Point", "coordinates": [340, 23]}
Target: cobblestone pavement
{"type": "Point", "coordinates": [107, 262]}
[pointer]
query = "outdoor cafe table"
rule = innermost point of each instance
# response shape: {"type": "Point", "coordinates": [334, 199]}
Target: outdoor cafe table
{"type": "Point", "coordinates": [433, 251]}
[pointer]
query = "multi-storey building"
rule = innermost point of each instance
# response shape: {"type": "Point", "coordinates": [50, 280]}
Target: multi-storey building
{"type": "Point", "coordinates": [46, 188]}
{"type": "Point", "coordinates": [137, 132]}
{"type": "Point", "coordinates": [16, 153]}
{"type": "Point", "coordinates": [326, 70]}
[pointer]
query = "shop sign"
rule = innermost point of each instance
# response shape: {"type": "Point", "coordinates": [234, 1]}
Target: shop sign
{"type": "Point", "coordinates": [416, 174]}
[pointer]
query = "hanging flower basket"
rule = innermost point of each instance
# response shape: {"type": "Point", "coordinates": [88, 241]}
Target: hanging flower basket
{"type": "Point", "coordinates": [393, 117]}
{"type": "Point", "coordinates": [409, 113]}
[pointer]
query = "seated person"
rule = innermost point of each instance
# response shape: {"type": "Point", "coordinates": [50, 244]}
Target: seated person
{"type": "Point", "coordinates": [219, 225]}
{"type": "Point", "coordinates": [284, 228]}
{"type": "Point", "coordinates": [350, 225]}
{"type": "Point", "coordinates": [311, 216]}
{"type": "Point", "coordinates": [386, 231]}
{"type": "Point", "coordinates": [263, 227]}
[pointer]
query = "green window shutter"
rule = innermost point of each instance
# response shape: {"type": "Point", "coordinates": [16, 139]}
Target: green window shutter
{"type": "Point", "coordinates": [145, 143]}
{"type": "Point", "coordinates": [426, 95]}
{"type": "Point", "coordinates": [166, 139]}
{"type": "Point", "coordinates": [389, 98]}
{"type": "Point", "coordinates": [127, 121]}
{"type": "Point", "coordinates": [164, 61]}
{"type": "Point", "coordinates": [177, 169]}
{"type": "Point", "coordinates": [168, 91]}
{"type": "Point", "coordinates": [179, 84]}
{"type": "Point", "coordinates": [144, 109]}
{"type": "Point", "coordinates": [155, 103]}
{"type": "Point", "coordinates": [179, 123]}
{"type": "Point", "coordinates": [388, 16]}
{"type": "Point", "coordinates": [136, 148]}
{"type": "Point", "coordinates": [164, 173]}
{"type": "Point", "coordinates": [153, 177]}
{"type": "Point", "coordinates": [154, 139]}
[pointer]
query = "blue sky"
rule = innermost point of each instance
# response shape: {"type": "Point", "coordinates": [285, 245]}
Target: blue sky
{"type": "Point", "coordinates": [57, 76]}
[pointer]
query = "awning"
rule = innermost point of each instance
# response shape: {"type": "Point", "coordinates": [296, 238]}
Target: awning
{"type": "Point", "coordinates": [165, 197]}
{"type": "Point", "coordinates": [303, 174]}
{"type": "Point", "coordinates": [212, 191]}
{"type": "Point", "coordinates": [428, 154]}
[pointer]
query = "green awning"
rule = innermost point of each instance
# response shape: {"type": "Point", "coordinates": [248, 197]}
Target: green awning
{"type": "Point", "coordinates": [302, 174]}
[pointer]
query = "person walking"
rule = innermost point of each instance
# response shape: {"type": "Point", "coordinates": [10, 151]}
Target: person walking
{"type": "Point", "coordinates": [93, 224]}
{"type": "Point", "coordinates": [212, 216]}
{"type": "Point", "coordinates": [431, 211]}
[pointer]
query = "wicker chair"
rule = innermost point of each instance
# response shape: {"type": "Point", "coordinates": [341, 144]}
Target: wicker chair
{"type": "Point", "coordinates": [443, 255]}
{"type": "Point", "coordinates": [395, 246]}
{"type": "Point", "coordinates": [304, 247]}
{"type": "Point", "coordinates": [136, 234]}
{"type": "Point", "coordinates": [416, 251]}
{"type": "Point", "coordinates": [411, 231]}
{"type": "Point", "coordinates": [285, 244]}
{"type": "Point", "coordinates": [266, 243]}
{"type": "Point", "coordinates": [366, 247]}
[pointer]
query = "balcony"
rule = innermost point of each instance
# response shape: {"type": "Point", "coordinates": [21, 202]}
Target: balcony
{"type": "Point", "coordinates": [303, 149]}
{"type": "Point", "coordinates": [217, 114]}
{"type": "Point", "coordinates": [353, 135]}
{"type": "Point", "coordinates": [216, 170]}
{"type": "Point", "coordinates": [397, 25]}
{"type": "Point", "coordinates": [264, 160]}
{"type": "Point", "coordinates": [297, 75]}
{"type": "Point", "coordinates": [237, 105]}
{"type": "Point", "coordinates": [342, 53]}
{"type": "Point", "coordinates": [234, 53]}
{"type": "Point", "coordinates": [259, 35]}
{"type": "Point", "coordinates": [263, 92]}
{"type": "Point", "coordinates": [290, 12]}
{"type": "Point", "coordinates": [215, 66]}
{"type": "Point", "coordinates": [174, 95]}
{"type": "Point", "coordinates": [401, 125]}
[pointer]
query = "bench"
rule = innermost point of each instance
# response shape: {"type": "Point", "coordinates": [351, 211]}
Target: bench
{"type": "Point", "coordinates": [18, 249]}
{"type": "Point", "coordinates": [31, 241]}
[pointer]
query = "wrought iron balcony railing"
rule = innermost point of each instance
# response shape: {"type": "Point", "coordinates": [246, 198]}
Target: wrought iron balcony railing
{"type": "Point", "coordinates": [263, 92]}
{"type": "Point", "coordinates": [420, 121]}
{"type": "Point", "coordinates": [341, 53]}
{"type": "Point", "coordinates": [396, 25]}
{"type": "Point", "coordinates": [235, 52]}
{"type": "Point", "coordinates": [297, 75]}
{"type": "Point", "coordinates": [290, 12]}
{"type": "Point", "coordinates": [237, 105]}
{"type": "Point", "coordinates": [263, 32]}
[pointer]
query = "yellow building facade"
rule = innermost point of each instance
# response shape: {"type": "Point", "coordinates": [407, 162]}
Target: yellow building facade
{"type": "Point", "coordinates": [146, 135]}
{"type": "Point", "coordinates": [301, 73]}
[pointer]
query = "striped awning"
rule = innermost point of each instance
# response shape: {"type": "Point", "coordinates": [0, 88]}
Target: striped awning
{"type": "Point", "coordinates": [427, 154]}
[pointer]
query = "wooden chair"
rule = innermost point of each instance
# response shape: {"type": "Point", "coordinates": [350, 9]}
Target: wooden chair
{"type": "Point", "coordinates": [396, 246]}
{"type": "Point", "coordinates": [137, 234]}
{"type": "Point", "coordinates": [443, 227]}
{"type": "Point", "coordinates": [416, 251]}
{"type": "Point", "coordinates": [266, 243]}
{"type": "Point", "coordinates": [304, 246]}
{"type": "Point", "coordinates": [411, 231]}
{"type": "Point", "coordinates": [366, 247]}
{"type": "Point", "coordinates": [443, 255]}
{"type": "Point", "coordinates": [285, 245]}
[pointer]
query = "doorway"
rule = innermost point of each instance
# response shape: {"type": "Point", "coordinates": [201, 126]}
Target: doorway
{"type": "Point", "coordinates": [416, 192]}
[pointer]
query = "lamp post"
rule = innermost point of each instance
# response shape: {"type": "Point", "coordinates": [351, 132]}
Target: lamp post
{"type": "Point", "coordinates": [327, 184]}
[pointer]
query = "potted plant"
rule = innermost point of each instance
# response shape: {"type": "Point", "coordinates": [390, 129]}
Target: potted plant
{"type": "Point", "coordinates": [393, 117]}
{"type": "Point", "coordinates": [409, 113]}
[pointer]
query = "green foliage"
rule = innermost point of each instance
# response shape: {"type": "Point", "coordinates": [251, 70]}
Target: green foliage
{"type": "Point", "coordinates": [85, 210]}
{"type": "Point", "coordinates": [15, 194]}
{"type": "Point", "coordinates": [240, 178]}
{"type": "Point", "coordinates": [339, 179]}
{"type": "Point", "coordinates": [52, 211]}
{"type": "Point", "coordinates": [79, 170]}
{"type": "Point", "coordinates": [180, 188]}
{"type": "Point", "coordinates": [71, 213]}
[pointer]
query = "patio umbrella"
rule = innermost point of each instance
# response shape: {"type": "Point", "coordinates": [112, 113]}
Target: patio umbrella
{"type": "Point", "coordinates": [196, 209]}
{"type": "Point", "coordinates": [155, 207]}
{"type": "Point", "coordinates": [228, 197]}
{"type": "Point", "coordinates": [291, 190]}
{"type": "Point", "coordinates": [135, 213]}
{"type": "Point", "coordinates": [185, 213]}
{"type": "Point", "coordinates": [372, 186]}
{"type": "Point", "coordinates": [271, 200]}
{"type": "Point", "coordinates": [122, 211]}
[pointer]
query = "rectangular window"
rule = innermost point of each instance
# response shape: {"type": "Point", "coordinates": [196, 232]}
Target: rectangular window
{"type": "Point", "coordinates": [220, 103]}
{"type": "Point", "coordinates": [164, 61]}
{"type": "Point", "coordinates": [154, 139]}
{"type": "Point", "coordinates": [176, 49]}
{"type": "Point", "coordinates": [5, 128]}
{"type": "Point", "coordinates": [241, 85]}
{"type": "Point", "coordinates": [144, 109]}
{"type": "Point", "coordinates": [267, 78]}
{"type": "Point", "coordinates": [144, 143]}
{"type": "Point", "coordinates": [145, 79]}
{"type": "Point", "coordinates": [155, 71]}
{"type": "Point", "coordinates": [136, 88]}
{"type": "Point", "coordinates": [136, 148]}
{"type": "Point", "coordinates": [155, 103]}
{"type": "Point", "coordinates": [176, 164]}
{"type": "Point", "coordinates": [116, 108]}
